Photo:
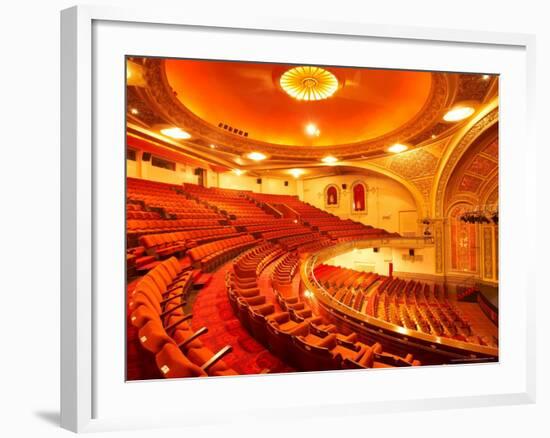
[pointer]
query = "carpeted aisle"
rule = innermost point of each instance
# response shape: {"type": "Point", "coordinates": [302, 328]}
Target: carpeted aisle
{"type": "Point", "coordinates": [212, 310]}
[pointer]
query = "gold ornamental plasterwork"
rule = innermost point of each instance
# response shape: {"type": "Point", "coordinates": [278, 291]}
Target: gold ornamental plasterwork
{"type": "Point", "coordinates": [424, 186]}
{"type": "Point", "coordinates": [488, 252]}
{"type": "Point", "coordinates": [439, 247]}
{"type": "Point", "coordinates": [163, 98]}
{"type": "Point", "coordinates": [475, 131]}
{"type": "Point", "coordinates": [414, 164]}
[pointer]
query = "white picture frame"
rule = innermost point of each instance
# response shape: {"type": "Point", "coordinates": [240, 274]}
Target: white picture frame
{"type": "Point", "coordinates": [86, 402]}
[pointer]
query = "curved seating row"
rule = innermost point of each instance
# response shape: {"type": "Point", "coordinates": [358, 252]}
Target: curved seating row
{"type": "Point", "coordinates": [211, 255]}
{"type": "Point", "coordinates": [156, 306]}
{"type": "Point", "coordinates": [291, 331]}
{"type": "Point", "coordinates": [166, 225]}
{"type": "Point", "coordinates": [167, 244]}
{"type": "Point", "coordinates": [142, 215]}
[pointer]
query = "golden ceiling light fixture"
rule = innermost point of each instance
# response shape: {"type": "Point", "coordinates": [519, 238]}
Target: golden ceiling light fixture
{"type": "Point", "coordinates": [238, 172]}
{"type": "Point", "coordinates": [176, 133]}
{"type": "Point", "coordinates": [397, 148]}
{"type": "Point", "coordinates": [309, 83]}
{"type": "Point", "coordinates": [458, 113]}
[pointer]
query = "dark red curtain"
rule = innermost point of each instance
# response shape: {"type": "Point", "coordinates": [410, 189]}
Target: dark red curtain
{"type": "Point", "coordinates": [359, 197]}
{"type": "Point", "coordinates": [332, 196]}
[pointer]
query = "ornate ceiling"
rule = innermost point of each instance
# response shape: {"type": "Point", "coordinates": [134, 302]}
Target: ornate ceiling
{"type": "Point", "coordinates": [368, 104]}
{"type": "Point", "coordinates": [370, 110]}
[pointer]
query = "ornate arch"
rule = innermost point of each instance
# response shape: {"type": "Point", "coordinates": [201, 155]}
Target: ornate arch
{"type": "Point", "coordinates": [456, 149]}
{"type": "Point", "coordinates": [332, 196]}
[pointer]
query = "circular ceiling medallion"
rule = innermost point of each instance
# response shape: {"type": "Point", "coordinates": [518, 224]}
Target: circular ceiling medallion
{"type": "Point", "coordinates": [309, 83]}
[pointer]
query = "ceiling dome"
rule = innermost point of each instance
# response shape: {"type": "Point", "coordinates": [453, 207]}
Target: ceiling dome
{"type": "Point", "coordinates": [357, 105]}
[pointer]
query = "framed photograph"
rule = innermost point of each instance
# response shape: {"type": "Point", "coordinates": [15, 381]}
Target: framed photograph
{"type": "Point", "coordinates": [278, 216]}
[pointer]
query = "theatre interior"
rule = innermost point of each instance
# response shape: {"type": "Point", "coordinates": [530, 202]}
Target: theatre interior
{"type": "Point", "coordinates": [284, 218]}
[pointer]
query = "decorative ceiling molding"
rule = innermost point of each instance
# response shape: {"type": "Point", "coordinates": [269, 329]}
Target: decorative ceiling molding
{"type": "Point", "coordinates": [163, 98]}
{"type": "Point", "coordinates": [424, 185]}
{"type": "Point", "coordinates": [414, 164]}
{"type": "Point", "coordinates": [492, 197]}
{"type": "Point", "coordinates": [489, 188]}
{"type": "Point", "coordinates": [463, 202]}
{"type": "Point", "coordinates": [472, 87]}
{"type": "Point", "coordinates": [470, 183]}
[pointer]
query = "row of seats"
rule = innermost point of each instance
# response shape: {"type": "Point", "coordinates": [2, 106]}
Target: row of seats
{"type": "Point", "coordinates": [281, 234]}
{"type": "Point", "coordinates": [334, 276]}
{"type": "Point", "coordinates": [156, 306]}
{"type": "Point", "coordinates": [279, 224]}
{"type": "Point", "coordinates": [413, 305]}
{"type": "Point", "coordinates": [142, 215]}
{"type": "Point", "coordinates": [232, 203]}
{"type": "Point", "coordinates": [410, 304]}
{"type": "Point", "coordinates": [169, 198]}
{"type": "Point", "coordinates": [167, 244]}
{"type": "Point", "coordinates": [158, 226]}
{"type": "Point", "coordinates": [293, 242]}
{"type": "Point", "coordinates": [314, 246]}
{"type": "Point", "coordinates": [251, 263]}
{"type": "Point", "coordinates": [211, 255]}
{"type": "Point", "coordinates": [289, 328]}
{"type": "Point", "coordinates": [333, 226]}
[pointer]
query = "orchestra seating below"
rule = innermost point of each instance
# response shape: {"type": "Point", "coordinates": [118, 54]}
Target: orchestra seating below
{"type": "Point", "coordinates": [410, 304]}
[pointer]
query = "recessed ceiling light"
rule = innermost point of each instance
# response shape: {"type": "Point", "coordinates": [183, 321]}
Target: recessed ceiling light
{"type": "Point", "coordinates": [458, 113]}
{"type": "Point", "coordinates": [329, 159]}
{"type": "Point", "coordinates": [296, 172]}
{"type": "Point", "coordinates": [134, 111]}
{"type": "Point", "coordinates": [256, 156]}
{"type": "Point", "coordinates": [308, 294]}
{"type": "Point", "coordinates": [312, 130]}
{"type": "Point", "coordinates": [397, 148]}
{"type": "Point", "coordinates": [238, 172]}
{"type": "Point", "coordinates": [485, 77]}
{"type": "Point", "coordinates": [212, 146]}
{"type": "Point", "coordinates": [434, 136]}
{"type": "Point", "coordinates": [175, 133]}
